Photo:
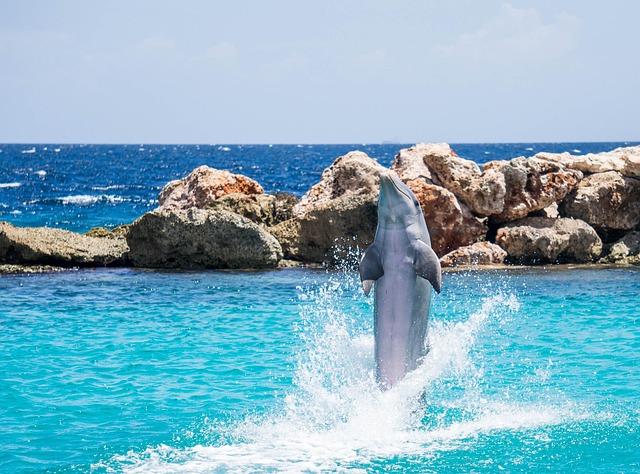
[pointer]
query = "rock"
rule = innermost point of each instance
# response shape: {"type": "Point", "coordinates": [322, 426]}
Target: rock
{"type": "Point", "coordinates": [336, 216]}
{"type": "Point", "coordinates": [551, 212]}
{"type": "Point", "coordinates": [354, 174]}
{"type": "Point", "coordinates": [531, 184]}
{"type": "Point", "coordinates": [624, 160]}
{"type": "Point", "coordinates": [536, 240]}
{"type": "Point", "coordinates": [450, 223]}
{"type": "Point", "coordinates": [198, 238]}
{"type": "Point", "coordinates": [605, 201]}
{"type": "Point", "coordinates": [409, 162]}
{"type": "Point", "coordinates": [58, 247]}
{"type": "Point", "coordinates": [480, 253]}
{"type": "Point", "coordinates": [265, 209]}
{"type": "Point", "coordinates": [438, 164]}
{"type": "Point", "coordinates": [483, 193]}
{"type": "Point", "coordinates": [6, 269]}
{"type": "Point", "coordinates": [203, 185]}
{"type": "Point", "coordinates": [625, 250]}
{"type": "Point", "coordinates": [331, 231]}
{"type": "Point", "coordinates": [119, 232]}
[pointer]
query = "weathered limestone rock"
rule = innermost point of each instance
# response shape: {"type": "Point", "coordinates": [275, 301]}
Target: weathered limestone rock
{"type": "Point", "coordinates": [450, 223]}
{"type": "Point", "coordinates": [335, 215]}
{"type": "Point", "coordinates": [198, 238]}
{"type": "Point", "coordinates": [58, 247]}
{"type": "Point", "coordinates": [605, 201]}
{"type": "Point", "coordinates": [409, 162]}
{"type": "Point", "coordinates": [354, 174]}
{"type": "Point", "coordinates": [263, 209]}
{"type": "Point", "coordinates": [119, 232]}
{"type": "Point", "coordinates": [328, 232]}
{"type": "Point", "coordinates": [536, 240]}
{"type": "Point", "coordinates": [550, 211]}
{"type": "Point", "coordinates": [624, 160]}
{"type": "Point", "coordinates": [480, 253]}
{"type": "Point", "coordinates": [625, 250]}
{"type": "Point", "coordinates": [483, 193]}
{"type": "Point", "coordinates": [203, 185]}
{"type": "Point", "coordinates": [531, 184]}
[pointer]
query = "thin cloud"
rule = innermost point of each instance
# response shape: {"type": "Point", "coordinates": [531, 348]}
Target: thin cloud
{"type": "Point", "coordinates": [221, 51]}
{"type": "Point", "coordinates": [516, 36]}
{"type": "Point", "coordinates": [156, 43]}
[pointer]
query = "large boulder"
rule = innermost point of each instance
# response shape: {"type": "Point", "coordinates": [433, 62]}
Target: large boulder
{"type": "Point", "coordinates": [202, 186]}
{"type": "Point", "coordinates": [606, 201]}
{"type": "Point", "coordinates": [354, 174]}
{"type": "Point", "coordinates": [624, 251]}
{"type": "Point", "coordinates": [530, 184]}
{"type": "Point", "coordinates": [536, 240]}
{"type": "Point", "coordinates": [336, 215]}
{"type": "Point", "coordinates": [624, 160]}
{"type": "Point", "coordinates": [409, 163]}
{"type": "Point", "coordinates": [59, 247]}
{"type": "Point", "coordinates": [198, 238]}
{"type": "Point", "coordinates": [265, 209]}
{"type": "Point", "coordinates": [450, 223]}
{"type": "Point", "coordinates": [483, 193]}
{"type": "Point", "coordinates": [480, 253]}
{"type": "Point", "coordinates": [330, 232]}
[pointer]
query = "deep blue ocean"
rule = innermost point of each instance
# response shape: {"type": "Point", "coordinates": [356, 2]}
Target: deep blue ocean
{"type": "Point", "coordinates": [131, 370]}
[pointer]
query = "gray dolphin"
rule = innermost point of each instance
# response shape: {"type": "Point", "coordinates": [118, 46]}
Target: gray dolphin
{"type": "Point", "coordinates": [403, 267]}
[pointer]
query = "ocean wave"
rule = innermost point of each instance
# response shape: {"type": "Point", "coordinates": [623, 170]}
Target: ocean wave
{"type": "Point", "coordinates": [89, 200]}
{"type": "Point", "coordinates": [108, 188]}
{"type": "Point", "coordinates": [10, 185]}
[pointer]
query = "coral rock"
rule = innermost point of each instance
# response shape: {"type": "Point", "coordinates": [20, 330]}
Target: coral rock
{"type": "Point", "coordinates": [202, 186]}
{"type": "Point", "coordinates": [605, 201]}
{"type": "Point", "coordinates": [199, 238]}
{"type": "Point", "coordinates": [480, 253]}
{"type": "Point", "coordinates": [536, 240]}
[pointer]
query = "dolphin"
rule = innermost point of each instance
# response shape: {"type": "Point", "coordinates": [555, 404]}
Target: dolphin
{"type": "Point", "coordinates": [403, 267]}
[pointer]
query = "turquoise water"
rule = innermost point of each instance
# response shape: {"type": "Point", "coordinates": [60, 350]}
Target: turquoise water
{"type": "Point", "coordinates": [120, 370]}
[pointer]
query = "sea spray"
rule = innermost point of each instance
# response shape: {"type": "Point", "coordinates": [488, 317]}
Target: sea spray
{"type": "Point", "coordinates": [335, 417]}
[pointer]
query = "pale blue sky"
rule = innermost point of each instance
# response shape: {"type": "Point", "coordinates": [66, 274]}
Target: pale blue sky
{"type": "Point", "coordinates": [332, 71]}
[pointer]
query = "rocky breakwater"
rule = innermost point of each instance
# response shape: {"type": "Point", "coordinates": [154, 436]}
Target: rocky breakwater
{"type": "Point", "coordinates": [543, 209]}
{"type": "Point", "coordinates": [36, 246]}
{"type": "Point", "coordinates": [209, 219]}
{"type": "Point", "coordinates": [550, 208]}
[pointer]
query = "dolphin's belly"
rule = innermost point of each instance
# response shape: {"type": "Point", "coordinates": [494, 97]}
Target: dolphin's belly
{"type": "Point", "coordinates": [401, 315]}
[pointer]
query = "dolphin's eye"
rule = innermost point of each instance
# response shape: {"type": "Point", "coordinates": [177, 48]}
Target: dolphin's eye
{"type": "Point", "coordinates": [416, 203]}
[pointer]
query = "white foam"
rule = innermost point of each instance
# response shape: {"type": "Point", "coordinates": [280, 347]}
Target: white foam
{"type": "Point", "coordinates": [41, 173]}
{"type": "Point", "coordinates": [31, 150]}
{"type": "Point", "coordinates": [88, 200]}
{"type": "Point", "coordinates": [336, 417]}
{"type": "Point", "coordinates": [10, 185]}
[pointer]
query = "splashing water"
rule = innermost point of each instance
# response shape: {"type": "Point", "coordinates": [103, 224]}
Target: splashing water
{"type": "Point", "coordinates": [335, 417]}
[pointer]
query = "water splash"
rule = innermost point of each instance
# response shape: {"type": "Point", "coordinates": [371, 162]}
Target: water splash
{"type": "Point", "coordinates": [335, 418]}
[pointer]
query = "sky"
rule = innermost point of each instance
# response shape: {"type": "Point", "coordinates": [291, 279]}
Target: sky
{"type": "Point", "coordinates": [331, 71]}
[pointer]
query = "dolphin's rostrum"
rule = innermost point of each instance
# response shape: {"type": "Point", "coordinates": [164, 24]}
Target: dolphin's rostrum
{"type": "Point", "coordinates": [403, 267]}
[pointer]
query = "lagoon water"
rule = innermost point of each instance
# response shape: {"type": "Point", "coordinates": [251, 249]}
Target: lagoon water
{"type": "Point", "coordinates": [125, 370]}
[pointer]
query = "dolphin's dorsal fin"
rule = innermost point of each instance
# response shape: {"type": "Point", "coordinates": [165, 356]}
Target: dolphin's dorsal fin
{"type": "Point", "coordinates": [427, 265]}
{"type": "Point", "coordinates": [370, 267]}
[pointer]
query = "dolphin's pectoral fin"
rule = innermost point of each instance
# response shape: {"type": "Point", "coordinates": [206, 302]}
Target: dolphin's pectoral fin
{"type": "Point", "coordinates": [427, 265]}
{"type": "Point", "coordinates": [370, 268]}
